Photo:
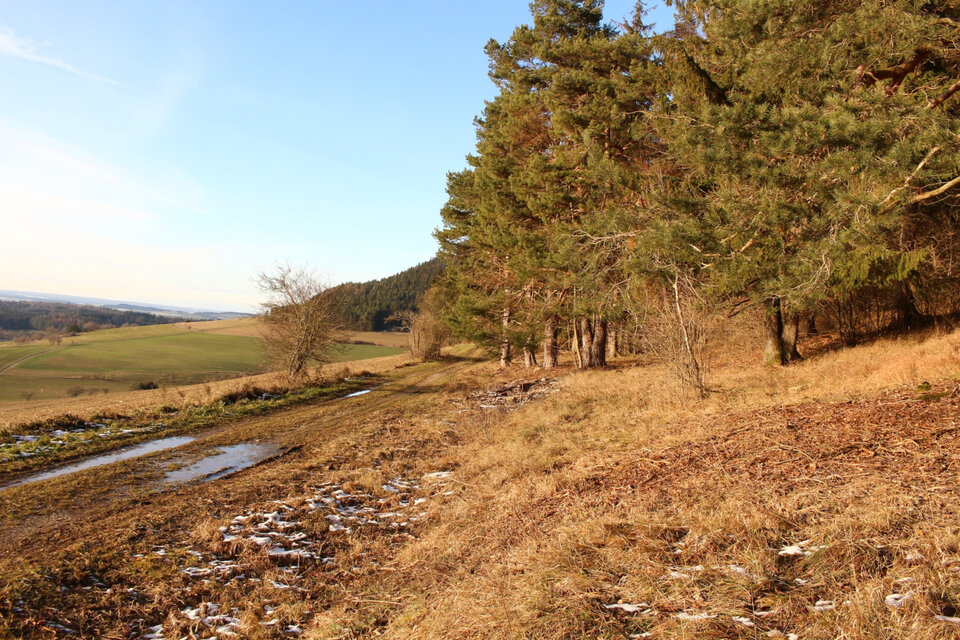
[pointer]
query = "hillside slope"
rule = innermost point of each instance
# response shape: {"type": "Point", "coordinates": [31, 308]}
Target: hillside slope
{"type": "Point", "coordinates": [816, 501]}
{"type": "Point", "coordinates": [365, 306]}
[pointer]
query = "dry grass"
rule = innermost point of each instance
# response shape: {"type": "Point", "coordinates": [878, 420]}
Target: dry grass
{"type": "Point", "coordinates": [611, 490]}
{"type": "Point", "coordinates": [396, 339]}
{"type": "Point", "coordinates": [254, 328]}
{"type": "Point", "coordinates": [251, 327]}
{"type": "Point", "coordinates": [616, 490]}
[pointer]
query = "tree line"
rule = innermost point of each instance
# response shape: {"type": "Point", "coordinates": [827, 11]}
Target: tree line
{"type": "Point", "coordinates": [24, 318]}
{"type": "Point", "coordinates": [376, 305]}
{"type": "Point", "coordinates": [795, 159]}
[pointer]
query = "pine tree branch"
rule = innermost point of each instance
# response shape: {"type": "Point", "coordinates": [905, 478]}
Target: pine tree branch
{"type": "Point", "coordinates": [896, 74]}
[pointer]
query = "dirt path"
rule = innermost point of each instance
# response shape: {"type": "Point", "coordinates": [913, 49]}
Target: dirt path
{"type": "Point", "coordinates": [54, 509]}
{"type": "Point", "coordinates": [23, 359]}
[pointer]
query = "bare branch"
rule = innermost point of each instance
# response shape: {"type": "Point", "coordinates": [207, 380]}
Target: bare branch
{"type": "Point", "coordinates": [944, 96]}
{"type": "Point", "coordinates": [301, 316]}
{"type": "Point", "coordinates": [936, 192]}
{"type": "Point", "coordinates": [906, 183]}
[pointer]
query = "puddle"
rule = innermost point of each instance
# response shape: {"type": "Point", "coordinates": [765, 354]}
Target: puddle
{"type": "Point", "coordinates": [135, 451]}
{"type": "Point", "coordinates": [230, 459]}
{"type": "Point", "coordinates": [357, 393]}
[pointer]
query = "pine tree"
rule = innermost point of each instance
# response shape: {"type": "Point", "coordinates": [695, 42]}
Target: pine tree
{"type": "Point", "coordinates": [805, 131]}
{"type": "Point", "coordinates": [557, 158]}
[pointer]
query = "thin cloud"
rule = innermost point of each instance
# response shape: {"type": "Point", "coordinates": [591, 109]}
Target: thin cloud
{"type": "Point", "coordinates": [27, 49]}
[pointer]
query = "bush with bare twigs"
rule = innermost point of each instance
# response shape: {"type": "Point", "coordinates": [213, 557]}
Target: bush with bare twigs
{"type": "Point", "coordinates": [301, 316]}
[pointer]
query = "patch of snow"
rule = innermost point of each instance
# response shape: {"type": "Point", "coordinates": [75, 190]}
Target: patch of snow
{"type": "Point", "coordinates": [686, 572]}
{"type": "Point", "coordinates": [802, 548]}
{"type": "Point", "coordinates": [156, 633]}
{"type": "Point", "coordinates": [741, 571]}
{"type": "Point", "coordinates": [628, 608]}
{"type": "Point", "coordinates": [897, 600]}
{"type": "Point", "coordinates": [683, 615]}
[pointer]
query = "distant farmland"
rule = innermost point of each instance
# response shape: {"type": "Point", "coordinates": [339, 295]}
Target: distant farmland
{"type": "Point", "coordinates": [120, 359]}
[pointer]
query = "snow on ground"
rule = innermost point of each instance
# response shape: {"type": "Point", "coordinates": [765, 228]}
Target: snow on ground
{"type": "Point", "coordinates": [29, 445]}
{"type": "Point", "coordinates": [296, 536]}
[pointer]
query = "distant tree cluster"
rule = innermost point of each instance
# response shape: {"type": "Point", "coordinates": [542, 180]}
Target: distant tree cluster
{"type": "Point", "coordinates": [35, 320]}
{"type": "Point", "coordinates": [796, 158]}
{"type": "Point", "coordinates": [374, 305]}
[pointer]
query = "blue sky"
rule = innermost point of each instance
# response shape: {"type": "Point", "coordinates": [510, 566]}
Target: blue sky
{"type": "Point", "coordinates": [169, 151]}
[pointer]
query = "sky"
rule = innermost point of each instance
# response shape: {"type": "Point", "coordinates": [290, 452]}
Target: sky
{"type": "Point", "coordinates": [168, 152]}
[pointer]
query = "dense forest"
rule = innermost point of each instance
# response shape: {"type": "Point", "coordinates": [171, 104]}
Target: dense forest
{"type": "Point", "coordinates": [28, 318]}
{"type": "Point", "coordinates": [795, 161]}
{"type": "Point", "coordinates": [370, 306]}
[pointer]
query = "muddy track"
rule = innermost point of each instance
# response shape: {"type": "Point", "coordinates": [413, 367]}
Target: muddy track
{"type": "Point", "coordinates": [15, 363]}
{"type": "Point", "coordinates": [73, 501]}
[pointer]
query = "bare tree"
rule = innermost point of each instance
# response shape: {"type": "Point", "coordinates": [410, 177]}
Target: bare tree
{"type": "Point", "coordinates": [54, 337]}
{"type": "Point", "coordinates": [427, 331]}
{"type": "Point", "coordinates": [676, 329]}
{"type": "Point", "coordinates": [301, 317]}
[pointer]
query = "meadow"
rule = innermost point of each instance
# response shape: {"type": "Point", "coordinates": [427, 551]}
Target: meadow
{"type": "Point", "coordinates": [164, 355]}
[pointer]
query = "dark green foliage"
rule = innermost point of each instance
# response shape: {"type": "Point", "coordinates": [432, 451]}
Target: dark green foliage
{"type": "Point", "coordinates": [794, 156]}
{"type": "Point", "coordinates": [369, 306]}
{"type": "Point", "coordinates": [27, 316]}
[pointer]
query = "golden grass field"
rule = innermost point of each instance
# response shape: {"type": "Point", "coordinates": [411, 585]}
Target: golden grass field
{"type": "Point", "coordinates": [817, 501]}
{"type": "Point", "coordinates": [254, 328]}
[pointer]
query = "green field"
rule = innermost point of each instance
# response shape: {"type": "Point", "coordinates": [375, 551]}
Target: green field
{"type": "Point", "coordinates": [119, 359]}
{"type": "Point", "coordinates": [9, 355]}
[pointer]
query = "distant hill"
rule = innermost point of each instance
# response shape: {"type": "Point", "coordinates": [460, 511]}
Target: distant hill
{"type": "Point", "coordinates": [27, 317]}
{"type": "Point", "coordinates": [180, 313]}
{"type": "Point", "coordinates": [365, 306]}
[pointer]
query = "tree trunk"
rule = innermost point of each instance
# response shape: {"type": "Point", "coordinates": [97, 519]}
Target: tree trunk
{"type": "Point", "coordinates": [550, 344]}
{"type": "Point", "coordinates": [812, 325]}
{"type": "Point", "coordinates": [598, 355]}
{"type": "Point", "coordinates": [586, 343]}
{"type": "Point", "coordinates": [612, 335]}
{"type": "Point", "coordinates": [529, 357]}
{"type": "Point", "coordinates": [505, 356]}
{"type": "Point", "coordinates": [773, 329]}
{"type": "Point", "coordinates": [908, 316]}
{"type": "Point", "coordinates": [791, 331]}
{"type": "Point", "coordinates": [575, 345]}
